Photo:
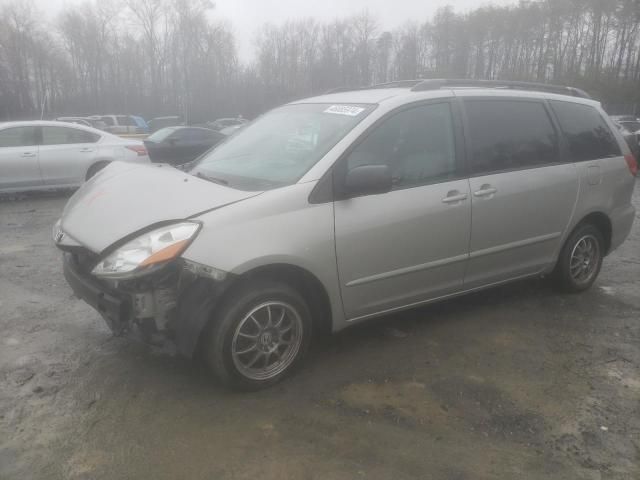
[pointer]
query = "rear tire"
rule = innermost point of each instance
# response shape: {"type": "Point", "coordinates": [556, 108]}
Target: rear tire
{"type": "Point", "coordinates": [258, 336]}
{"type": "Point", "coordinates": [95, 168]}
{"type": "Point", "coordinates": [580, 259]}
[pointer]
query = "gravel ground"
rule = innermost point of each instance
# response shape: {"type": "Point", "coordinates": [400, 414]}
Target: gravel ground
{"type": "Point", "coordinates": [513, 382]}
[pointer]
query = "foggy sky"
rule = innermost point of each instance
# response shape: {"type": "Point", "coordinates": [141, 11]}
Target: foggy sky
{"type": "Point", "coordinates": [246, 16]}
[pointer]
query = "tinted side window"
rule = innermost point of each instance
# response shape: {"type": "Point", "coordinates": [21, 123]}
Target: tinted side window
{"type": "Point", "coordinates": [63, 136]}
{"type": "Point", "coordinates": [587, 134]}
{"type": "Point", "coordinates": [509, 134]}
{"type": "Point", "coordinates": [418, 146]}
{"type": "Point", "coordinates": [18, 137]}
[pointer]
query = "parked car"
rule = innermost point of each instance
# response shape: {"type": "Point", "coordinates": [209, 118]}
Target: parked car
{"type": "Point", "coordinates": [44, 155]}
{"type": "Point", "coordinates": [632, 138]}
{"type": "Point", "coordinates": [222, 123]}
{"type": "Point", "coordinates": [631, 125]}
{"type": "Point", "coordinates": [76, 120]}
{"type": "Point", "coordinates": [157, 123]}
{"type": "Point", "coordinates": [96, 122]}
{"type": "Point", "coordinates": [336, 209]}
{"type": "Point", "coordinates": [120, 124]}
{"type": "Point", "coordinates": [624, 118]}
{"type": "Point", "coordinates": [179, 145]}
{"type": "Point", "coordinates": [226, 131]}
{"type": "Point", "coordinates": [141, 124]}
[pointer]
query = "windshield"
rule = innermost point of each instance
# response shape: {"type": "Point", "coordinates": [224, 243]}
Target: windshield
{"type": "Point", "coordinates": [280, 147]}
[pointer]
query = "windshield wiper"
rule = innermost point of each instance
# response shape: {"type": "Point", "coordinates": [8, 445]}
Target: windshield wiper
{"type": "Point", "coordinates": [209, 178]}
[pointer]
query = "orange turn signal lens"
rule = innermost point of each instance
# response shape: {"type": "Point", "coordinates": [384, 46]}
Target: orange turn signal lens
{"type": "Point", "coordinates": [168, 253]}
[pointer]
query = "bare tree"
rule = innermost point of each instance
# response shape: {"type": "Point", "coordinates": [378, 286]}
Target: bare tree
{"type": "Point", "coordinates": [172, 56]}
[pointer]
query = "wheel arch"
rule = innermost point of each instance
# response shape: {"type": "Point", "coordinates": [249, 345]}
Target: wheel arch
{"type": "Point", "coordinates": [602, 222]}
{"type": "Point", "coordinates": [99, 161]}
{"type": "Point", "coordinates": [199, 318]}
{"type": "Point", "coordinates": [301, 279]}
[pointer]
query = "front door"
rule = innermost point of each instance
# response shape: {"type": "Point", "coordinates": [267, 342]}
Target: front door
{"type": "Point", "coordinates": [411, 244]}
{"type": "Point", "coordinates": [19, 158]}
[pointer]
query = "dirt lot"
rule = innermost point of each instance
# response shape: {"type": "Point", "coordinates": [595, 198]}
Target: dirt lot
{"type": "Point", "coordinates": [515, 382]}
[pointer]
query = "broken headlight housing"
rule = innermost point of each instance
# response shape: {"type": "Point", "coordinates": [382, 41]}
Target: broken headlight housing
{"type": "Point", "coordinates": [147, 252]}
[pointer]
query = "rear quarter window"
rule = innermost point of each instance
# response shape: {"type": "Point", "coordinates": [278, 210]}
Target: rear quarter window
{"type": "Point", "coordinates": [65, 136]}
{"type": "Point", "coordinates": [588, 135]}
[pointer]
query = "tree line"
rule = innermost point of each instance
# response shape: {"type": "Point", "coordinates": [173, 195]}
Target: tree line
{"type": "Point", "coordinates": [155, 57]}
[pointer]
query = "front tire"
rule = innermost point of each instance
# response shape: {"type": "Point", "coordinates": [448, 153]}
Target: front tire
{"type": "Point", "coordinates": [259, 335]}
{"type": "Point", "coordinates": [580, 259]}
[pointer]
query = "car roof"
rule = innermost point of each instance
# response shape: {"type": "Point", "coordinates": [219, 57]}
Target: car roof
{"type": "Point", "coordinates": [52, 123]}
{"type": "Point", "coordinates": [195, 127]}
{"type": "Point", "coordinates": [44, 123]}
{"type": "Point", "coordinates": [186, 127]}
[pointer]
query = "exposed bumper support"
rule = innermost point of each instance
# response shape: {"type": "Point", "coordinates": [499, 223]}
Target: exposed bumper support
{"type": "Point", "coordinates": [197, 298]}
{"type": "Point", "coordinates": [114, 308]}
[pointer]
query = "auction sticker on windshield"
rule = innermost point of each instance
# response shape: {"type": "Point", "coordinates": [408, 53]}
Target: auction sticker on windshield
{"type": "Point", "coordinates": [345, 110]}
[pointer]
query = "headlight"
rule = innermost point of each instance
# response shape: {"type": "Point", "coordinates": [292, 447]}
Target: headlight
{"type": "Point", "coordinates": [150, 249]}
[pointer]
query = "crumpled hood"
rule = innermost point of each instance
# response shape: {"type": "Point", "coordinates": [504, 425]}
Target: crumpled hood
{"type": "Point", "coordinates": [125, 198]}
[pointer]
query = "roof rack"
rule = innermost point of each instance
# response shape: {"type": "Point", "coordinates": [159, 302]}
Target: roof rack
{"type": "Point", "coordinates": [396, 84]}
{"type": "Point", "coordinates": [437, 83]}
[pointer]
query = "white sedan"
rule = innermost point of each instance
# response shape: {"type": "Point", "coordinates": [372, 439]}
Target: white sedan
{"type": "Point", "coordinates": [43, 155]}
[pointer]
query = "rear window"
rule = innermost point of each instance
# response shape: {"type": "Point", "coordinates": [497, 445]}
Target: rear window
{"type": "Point", "coordinates": [587, 134]}
{"type": "Point", "coordinates": [509, 134]}
{"type": "Point", "coordinates": [161, 134]}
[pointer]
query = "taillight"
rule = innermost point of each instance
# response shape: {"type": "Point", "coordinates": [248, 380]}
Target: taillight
{"type": "Point", "coordinates": [139, 149]}
{"type": "Point", "coordinates": [631, 163]}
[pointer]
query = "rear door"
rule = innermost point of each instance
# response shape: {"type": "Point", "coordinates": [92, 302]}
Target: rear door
{"type": "Point", "coordinates": [19, 158]}
{"type": "Point", "coordinates": [522, 194]}
{"type": "Point", "coordinates": [411, 244]}
{"type": "Point", "coordinates": [66, 153]}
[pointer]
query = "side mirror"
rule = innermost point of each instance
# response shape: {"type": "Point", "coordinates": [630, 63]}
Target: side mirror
{"type": "Point", "coordinates": [368, 180]}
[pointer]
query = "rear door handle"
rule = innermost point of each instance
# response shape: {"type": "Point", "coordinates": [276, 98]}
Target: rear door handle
{"type": "Point", "coordinates": [485, 191]}
{"type": "Point", "coordinates": [86, 149]}
{"type": "Point", "coordinates": [454, 197]}
{"type": "Point", "coordinates": [28, 154]}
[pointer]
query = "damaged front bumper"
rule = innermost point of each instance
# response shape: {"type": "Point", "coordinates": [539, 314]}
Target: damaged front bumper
{"type": "Point", "coordinates": [169, 307]}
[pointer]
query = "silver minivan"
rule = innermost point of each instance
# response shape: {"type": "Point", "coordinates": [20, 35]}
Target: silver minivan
{"type": "Point", "coordinates": [332, 210]}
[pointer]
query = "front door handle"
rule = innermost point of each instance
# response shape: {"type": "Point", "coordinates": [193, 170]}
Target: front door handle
{"type": "Point", "coordinates": [454, 197]}
{"type": "Point", "coordinates": [28, 154]}
{"type": "Point", "coordinates": [485, 191]}
{"type": "Point", "coordinates": [85, 150]}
